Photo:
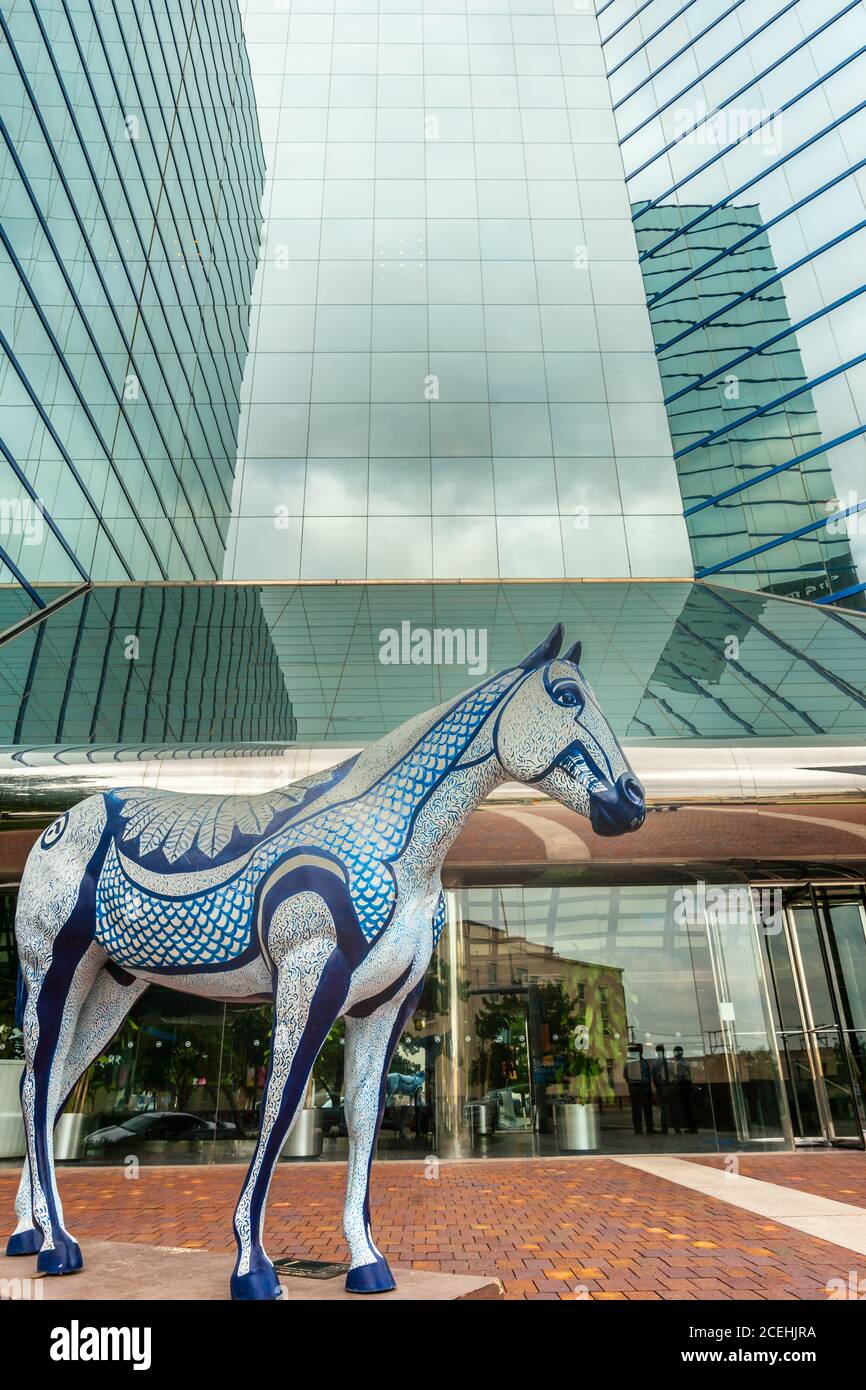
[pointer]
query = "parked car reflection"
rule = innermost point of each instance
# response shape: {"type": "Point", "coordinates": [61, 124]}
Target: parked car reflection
{"type": "Point", "coordinates": [167, 1126]}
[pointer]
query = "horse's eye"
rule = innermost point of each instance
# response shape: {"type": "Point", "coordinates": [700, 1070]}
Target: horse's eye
{"type": "Point", "coordinates": [567, 695]}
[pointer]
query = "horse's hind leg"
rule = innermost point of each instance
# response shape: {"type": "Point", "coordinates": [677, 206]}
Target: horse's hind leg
{"type": "Point", "coordinates": [54, 929]}
{"type": "Point", "coordinates": [102, 1014]}
{"type": "Point", "coordinates": [312, 982]}
{"type": "Point", "coordinates": [370, 1044]}
{"type": "Point", "coordinates": [55, 992]}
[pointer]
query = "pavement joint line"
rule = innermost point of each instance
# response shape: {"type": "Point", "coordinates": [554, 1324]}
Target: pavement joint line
{"type": "Point", "coordinates": [459, 1160]}
{"type": "Point", "coordinates": [840, 1223]}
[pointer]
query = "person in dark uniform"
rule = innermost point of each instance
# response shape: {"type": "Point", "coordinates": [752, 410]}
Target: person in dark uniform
{"type": "Point", "coordinates": [638, 1078]}
{"type": "Point", "coordinates": [669, 1111]}
{"type": "Point", "coordinates": [684, 1090]}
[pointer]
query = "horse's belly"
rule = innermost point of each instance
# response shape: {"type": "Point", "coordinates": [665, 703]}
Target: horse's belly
{"type": "Point", "coordinates": [249, 983]}
{"type": "Point", "coordinates": [147, 931]}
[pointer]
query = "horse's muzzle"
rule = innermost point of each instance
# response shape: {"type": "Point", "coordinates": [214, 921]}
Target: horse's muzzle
{"type": "Point", "coordinates": [618, 809]}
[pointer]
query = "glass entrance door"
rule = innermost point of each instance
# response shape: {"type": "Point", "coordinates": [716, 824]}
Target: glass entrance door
{"type": "Point", "coordinates": [842, 920]}
{"type": "Point", "coordinates": [817, 967]}
{"type": "Point", "coordinates": [604, 1018]}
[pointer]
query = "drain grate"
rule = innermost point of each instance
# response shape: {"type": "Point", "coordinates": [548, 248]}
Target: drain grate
{"type": "Point", "coordinates": [310, 1269]}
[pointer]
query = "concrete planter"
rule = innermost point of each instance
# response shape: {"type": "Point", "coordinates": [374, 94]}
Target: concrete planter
{"type": "Point", "coordinates": [69, 1136]}
{"type": "Point", "coordinates": [12, 1142]}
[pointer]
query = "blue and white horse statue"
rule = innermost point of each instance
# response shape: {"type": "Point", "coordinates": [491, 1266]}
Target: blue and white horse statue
{"type": "Point", "coordinates": [323, 897]}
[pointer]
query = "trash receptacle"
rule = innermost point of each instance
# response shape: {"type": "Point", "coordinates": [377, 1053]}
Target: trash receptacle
{"type": "Point", "coordinates": [306, 1139]}
{"type": "Point", "coordinates": [576, 1128]}
{"type": "Point", "coordinates": [481, 1117]}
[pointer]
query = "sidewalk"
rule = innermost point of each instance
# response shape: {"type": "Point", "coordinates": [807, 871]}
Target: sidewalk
{"type": "Point", "coordinates": [840, 1175]}
{"type": "Point", "coordinates": [567, 1228]}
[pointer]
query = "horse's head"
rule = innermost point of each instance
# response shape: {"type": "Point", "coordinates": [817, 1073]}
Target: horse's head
{"type": "Point", "coordinates": [551, 733]}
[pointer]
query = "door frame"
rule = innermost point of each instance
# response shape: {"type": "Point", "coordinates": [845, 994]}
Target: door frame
{"type": "Point", "coordinates": [822, 907]}
{"type": "Point", "coordinates": [809, 1031]}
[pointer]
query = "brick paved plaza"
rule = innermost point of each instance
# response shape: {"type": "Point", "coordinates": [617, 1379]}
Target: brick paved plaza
{"type": "Point", "coordinates": [548, 1229]}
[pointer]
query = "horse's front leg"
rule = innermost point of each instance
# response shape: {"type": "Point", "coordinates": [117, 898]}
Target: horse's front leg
{"type": "Point", "coordinates": [370, 1044]}
{"type": "Point", "coordinates": [312, 980]}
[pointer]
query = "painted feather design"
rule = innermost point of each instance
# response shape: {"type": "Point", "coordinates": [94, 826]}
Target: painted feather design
{"type": "Point", "coordinates": [176, 823]}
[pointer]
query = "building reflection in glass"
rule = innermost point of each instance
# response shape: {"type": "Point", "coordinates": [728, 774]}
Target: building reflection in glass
{"type": "Point", "coordinates": [614, 1002]}
{"type": "Point", "coordinates": [554, 1019]}
{"type": "Point", "coordinates": [244, 664]}
{"type": "Point", "coordinates": [756, 461]}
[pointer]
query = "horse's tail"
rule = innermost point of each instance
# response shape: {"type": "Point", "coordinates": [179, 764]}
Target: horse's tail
{"type": "Point", "coordinates": [20, 998]}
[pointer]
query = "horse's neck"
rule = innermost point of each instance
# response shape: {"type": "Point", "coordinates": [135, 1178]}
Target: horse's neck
{"type": "Point", "coordinates": [452, 763]}
{"type": "Point", "coordinates": [452, 803]}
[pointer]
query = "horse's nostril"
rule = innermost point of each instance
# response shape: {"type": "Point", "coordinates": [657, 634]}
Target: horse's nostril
{"type": "Point", "coordinates": [633, 790]}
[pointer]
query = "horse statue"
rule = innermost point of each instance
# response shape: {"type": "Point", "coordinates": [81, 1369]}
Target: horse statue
{"type": "Point", "coordinates": [323, 897]}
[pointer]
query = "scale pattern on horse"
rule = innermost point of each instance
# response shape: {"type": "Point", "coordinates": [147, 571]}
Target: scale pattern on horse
{"type": "Point", "coordinates": [188, 927]}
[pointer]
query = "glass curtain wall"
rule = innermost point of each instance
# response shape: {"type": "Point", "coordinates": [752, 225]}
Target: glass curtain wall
{"type": "Point", "coordinates": [130, 195]}
{"type": "Point", "coordinates": [742, 132]}
{"type": "Point", "coordinates": [451, 367]}
{"type": "Point", "coordinates": [622, 1019]}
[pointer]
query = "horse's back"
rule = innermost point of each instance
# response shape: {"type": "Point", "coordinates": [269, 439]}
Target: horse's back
{"type": "Point", "coordinates": [187, 832]}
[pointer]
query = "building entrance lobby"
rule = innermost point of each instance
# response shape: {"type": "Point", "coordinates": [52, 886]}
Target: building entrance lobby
{"type": "Point", "coordinates": [629, 1019]}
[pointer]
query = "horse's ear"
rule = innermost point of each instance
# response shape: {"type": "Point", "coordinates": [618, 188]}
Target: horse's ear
{"type": "Point", "coordinates": [574, 653]}
{"type": "Point", "coordinates": [546, 650]}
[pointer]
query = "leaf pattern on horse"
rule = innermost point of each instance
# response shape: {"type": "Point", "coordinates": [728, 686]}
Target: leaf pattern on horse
{"type": "Point", "coordinates": [176, 824]}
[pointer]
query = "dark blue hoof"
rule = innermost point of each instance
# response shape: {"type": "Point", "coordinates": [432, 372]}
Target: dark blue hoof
{"type": "Point", "coordinates": [371, 1278]}
{"type": "Point", "coordinates": [64, 1258]}
{"type": "Point", "coordinates": [260, 1285]}
{"type": "Point", "coordinates": [25, 1242]}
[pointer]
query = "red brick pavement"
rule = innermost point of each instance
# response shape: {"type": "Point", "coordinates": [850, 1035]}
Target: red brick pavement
{"type": "Point", "coordinates": [548, 1229]}
{"type": "Point", "coordinates": [840, 1173]}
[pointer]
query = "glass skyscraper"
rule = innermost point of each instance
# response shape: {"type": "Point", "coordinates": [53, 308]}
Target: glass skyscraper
{"type": "Point", "coordinates": [432, 289]}
{"type": "Point", "coordinates": [452, 370]}
{"type": "Point", "coordinates": [730, 352]}
{"type": "Point", "coordinates": [743, 136]}
{"type": "Point", "coordinates": [130, 192]}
